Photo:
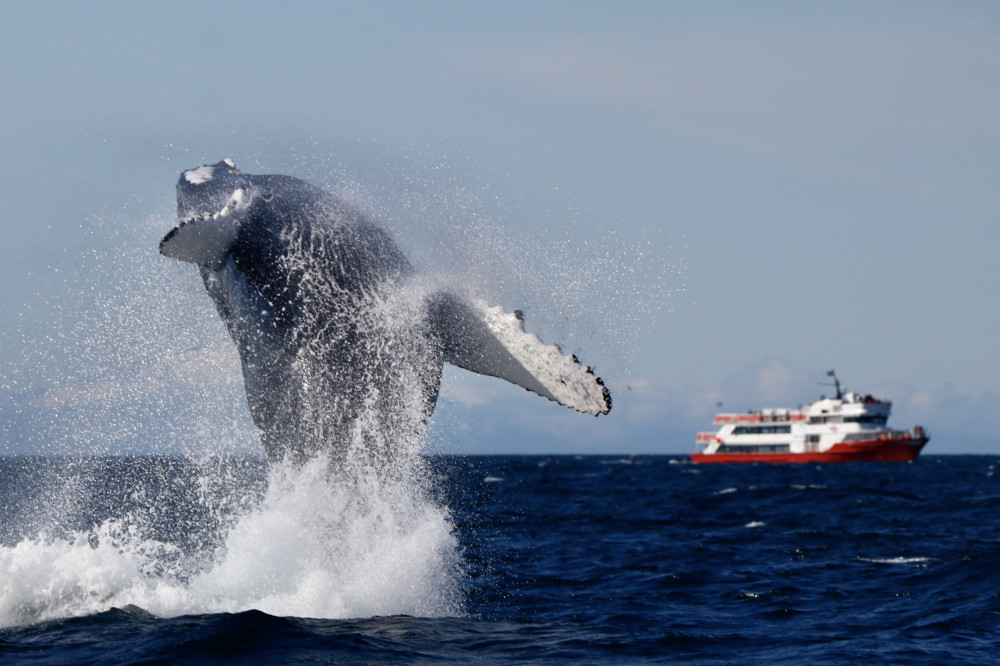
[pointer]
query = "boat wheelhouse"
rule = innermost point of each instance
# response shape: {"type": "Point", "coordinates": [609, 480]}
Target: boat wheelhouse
{"type": "Point", "coordinates": [848, 427]}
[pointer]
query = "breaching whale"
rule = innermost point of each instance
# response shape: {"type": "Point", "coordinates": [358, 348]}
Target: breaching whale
{"type": "Point", "coordinates": [339, 346]}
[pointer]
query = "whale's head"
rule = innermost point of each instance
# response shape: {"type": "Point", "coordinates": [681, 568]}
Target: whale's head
{"type": "Point", "coordinates": [207, 189]}
{"type": "Point", "coordinates": [212, 204]}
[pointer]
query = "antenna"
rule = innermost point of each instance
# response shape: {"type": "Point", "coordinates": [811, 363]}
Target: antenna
{"type": "Point", "coordinates": [836, 383]}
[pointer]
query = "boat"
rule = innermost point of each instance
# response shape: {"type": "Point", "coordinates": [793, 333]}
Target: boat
{"type": "Point", "coordinates": [848, 427]}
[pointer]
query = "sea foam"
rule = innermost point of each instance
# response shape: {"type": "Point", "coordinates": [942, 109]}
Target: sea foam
{"type": "Point", "coordinates": [314, 545]}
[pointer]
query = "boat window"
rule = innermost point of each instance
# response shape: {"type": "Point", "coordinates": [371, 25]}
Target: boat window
{"type": "Point", "coordinates": [762, 430]}
{"type": "Point", "coordinates": [826, 419]}
{"type": "Point", "coordinates": [752, 448]}
{"type": "Point", "coordinates": [880, 419]}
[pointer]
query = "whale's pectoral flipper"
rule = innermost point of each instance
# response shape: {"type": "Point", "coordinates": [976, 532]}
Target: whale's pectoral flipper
{"type": "Point", "coordinates": [489, 341]}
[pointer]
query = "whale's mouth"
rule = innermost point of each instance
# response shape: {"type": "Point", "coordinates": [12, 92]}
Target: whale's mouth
{"type": "Point", "coordinates": [205, 238]}
{"type": "Point", "coordinates": [237, 202]}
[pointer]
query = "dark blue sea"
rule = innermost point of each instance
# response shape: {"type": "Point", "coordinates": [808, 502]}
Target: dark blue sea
{"type": "Point", "coordinates": [500, 559]}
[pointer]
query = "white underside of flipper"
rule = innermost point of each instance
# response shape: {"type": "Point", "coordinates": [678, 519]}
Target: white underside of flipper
{"type": "Point", "coordinates": [561, 376]}
{"type": "Point", "coordinates": [492, 342]}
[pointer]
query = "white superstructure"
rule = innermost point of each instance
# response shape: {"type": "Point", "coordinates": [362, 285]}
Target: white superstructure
{"type": "Point", "coordinates": [847, 426]}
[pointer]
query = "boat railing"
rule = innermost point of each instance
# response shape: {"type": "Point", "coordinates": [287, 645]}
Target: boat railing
{"type": "Point", "coordinates": [866, 435]}
{"type": "Point", "coordinates": [756, 417]}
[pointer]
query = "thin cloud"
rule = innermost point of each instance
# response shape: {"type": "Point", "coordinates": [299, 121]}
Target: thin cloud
{"type": "Point", "coordinates": [807, 92]}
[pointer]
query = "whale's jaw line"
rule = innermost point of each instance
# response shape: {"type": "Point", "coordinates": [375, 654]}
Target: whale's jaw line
{"type": "Point", "coordinates": [205, 239]}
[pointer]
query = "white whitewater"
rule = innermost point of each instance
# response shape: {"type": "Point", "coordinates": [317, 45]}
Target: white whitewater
{"type": "Point", "coordinates": [313, 546]}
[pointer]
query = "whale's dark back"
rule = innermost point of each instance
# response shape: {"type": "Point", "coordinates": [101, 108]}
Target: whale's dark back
{"type": "Point", "coordinates": [301, 243]}
{"type": "Point", "coordinates": [300, 293]}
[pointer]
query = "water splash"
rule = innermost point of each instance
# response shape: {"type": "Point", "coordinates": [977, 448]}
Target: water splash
{"type": "Point", "coordinates": [352, 547]}
{"type": "Point", "coordinates": [309, 546]}
{"type": "Point", "coordinates": [124, 361]}
{"type": "Point", "coordinates": [147, 368]}
{"type": "Point", "coordinates": [133, 360]}
{"type": "Point", "coordinates": [595, 285]}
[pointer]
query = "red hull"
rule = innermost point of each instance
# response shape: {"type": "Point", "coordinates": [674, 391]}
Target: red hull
{"type": "Point", "coordinates": [877, 450]}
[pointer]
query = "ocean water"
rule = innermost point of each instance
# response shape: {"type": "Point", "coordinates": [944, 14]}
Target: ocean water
{"type": "Point", "coordinates": [524, 559]}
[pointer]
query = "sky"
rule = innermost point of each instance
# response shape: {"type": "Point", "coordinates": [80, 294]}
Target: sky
{"type": "Point", "coordinates": [709, 202]}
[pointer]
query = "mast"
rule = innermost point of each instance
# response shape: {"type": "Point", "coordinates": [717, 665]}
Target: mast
{"type": "Point", "coordinates": [836, 384]}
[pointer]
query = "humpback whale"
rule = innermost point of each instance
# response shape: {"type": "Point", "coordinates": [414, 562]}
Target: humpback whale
{"type": "Point", "coordinates": [340, 346]}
